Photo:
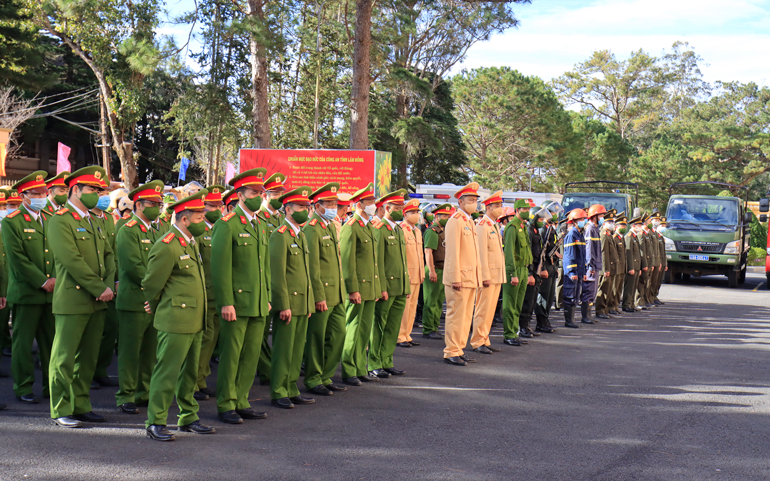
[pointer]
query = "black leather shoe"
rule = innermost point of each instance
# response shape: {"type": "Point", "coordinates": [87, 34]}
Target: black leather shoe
{"type": "Point", "coordinates": [197, 428]}
{"type": "Point", "coordinates": [434, 335]}
{"type": "Point", "coordinates": [571, 324]}
{"type": "Point", "coordinates": [494, 349]}
{"type": "Point", "coordinates": [159, 433]}
{"type": "Point", "coordinates": [337, 387]}
{"type": "Point", "coordinates": [302, 399]}
{"type": "Point", "coordinates": [649, 305]}
{"type": "Point", "coordinates": [283, 403]}
{"type": "Point", "coordinates": [200, 396]}
{"type": "Point", "coordinates": [602, 316]}
{"type": "Point", "coordinates": [106, 381]}
{"type": "Point", "coordinates": [614, 312]}
{"type": "Point", "coordinates": [352, 381]}
{"type": "Point", "coordinates": [230, 417]}
{"type": "Point", "coordinates": [547, 330]}
{"type": "Point", "coordinates": [129, 408]}
{"type": "Point", "coordinates": [466, 358]}
{"type": "Point", "coordinates": [368, 378]}
{"type": "Point", "coordinates": [514, 342]}
{"type": "Point", "coordinates": [455, 361]}
{"type": "Point", "coordinates": [587, 321]}
{"type": "Point", "coordinates": [250, 413]}
{"type": "Point", "coordinates": [394, 371]}
{"type": "Point", "coordinates": [403, 344]}
{"type": "Point", "coordinates": [380, 373]}
{"type": "Point", "coordinates": [414, 343]}
{"type": "Point", "coordinates": [28, 399]}
{"type": "Point", "coordinates": [321, 390]}
{"type": "Point", "coordinates": [525, 334]}
{"type": "Point", "coordinates": [209, 391]}
{"type": "Point", "coordinates": [659, 303]}
{"type": "Point", "coordinates": [95, 385]}
{"type": "Point", "coordinates": [483, 350]}
{"type": "Point", "coordinates": [142, 404]}
{"type": "Point", "coordinates": [625, 309]}
{"type": "Point", "coordinates": [90, 417]}
{"type": "Point", "coordinates": [68, 422]}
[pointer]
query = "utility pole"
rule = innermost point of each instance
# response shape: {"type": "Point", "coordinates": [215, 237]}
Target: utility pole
{"type": "Point", "coordinates": [105, 138]}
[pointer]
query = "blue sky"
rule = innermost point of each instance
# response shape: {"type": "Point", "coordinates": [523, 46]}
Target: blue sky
{"type": "Point", "coordinates": [732, 36]}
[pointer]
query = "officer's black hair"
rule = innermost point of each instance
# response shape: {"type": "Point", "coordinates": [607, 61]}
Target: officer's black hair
{"type": "Point", "coordinates": [185, 213]}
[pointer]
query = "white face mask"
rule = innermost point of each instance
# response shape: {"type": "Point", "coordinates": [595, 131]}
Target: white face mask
{"type": "Point", "coordinates": [370, 210]}
{"type": "Point", "coordinates": [610, 226]}
{"type": "Point", "coordinates": [3, 213]}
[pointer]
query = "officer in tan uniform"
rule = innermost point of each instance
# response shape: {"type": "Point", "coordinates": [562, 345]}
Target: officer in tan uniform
{"type": "Point", "coordinates": [462, 275]}
{"type": "Point", "coordinates": [621, 227]}
{"type": "Point", "coordinates": [415, 262]}
{"type": "Point", "coordinates": [492, 273]}
{"type": "Point", "coordinates": [609, 265]}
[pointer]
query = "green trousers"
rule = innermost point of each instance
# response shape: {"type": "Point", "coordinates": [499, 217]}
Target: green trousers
{"type": "Point", "coordinates": [109, 338]}
{"type": "Point", "coordinates": [513, 300]}
{"type": "Point", "coordinates": [387, 323]}
{"type": "Point", "coordinates": [358, 329]}
{"type": "Point", "coordinates": [5, 333]}
{"type": "Point", "coordinates": [266, 353]}
{"type": "Point", "coordinates": [209, 340]}
{"type": "Point", "coordinates": [73, 362]}
{"type": "Point", "coordinates": [175, 372]}
{"type": "Point", "coordinates": [30, 322]}
{"type": "Point", "coordinates": [629, 290]}
{"type": "Point", "coordinates": [323, 348]}
{"type": "Point", "coordinates": [240, 342]}
{"type": "Point", "coordinates": [604, 296]}
{"type": "Point", "coordinates": [641, 288]}
{"type": "Point", "coordinates": [286, 362]}
{"type": "Point", "coordinates": [433, 301]}
{"type": "Point", "coordinates": [137, 344]}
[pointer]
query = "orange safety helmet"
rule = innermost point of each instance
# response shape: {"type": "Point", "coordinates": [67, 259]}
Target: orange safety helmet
{"type": "Point", "coordinates": [507, 212]}
{"type": "Point", "coordinates": [596, 209]}
{"type": "Point", "coordinates": [576, 214]}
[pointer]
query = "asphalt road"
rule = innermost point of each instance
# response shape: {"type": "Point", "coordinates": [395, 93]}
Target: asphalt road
{"type": "Point", "coordinates": [681, 392]}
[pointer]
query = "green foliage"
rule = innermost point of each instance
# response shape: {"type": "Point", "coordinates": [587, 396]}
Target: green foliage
{"type": "Point", "coordinates": [20, 54]}
{"type": "Point", "coordinates": [758, 232]}
{"type": "Point", "coordinates": [757, 256]}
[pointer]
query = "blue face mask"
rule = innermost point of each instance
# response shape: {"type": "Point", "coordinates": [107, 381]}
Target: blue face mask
{"type": "Point", "coordinates": [581, 223]}
{"type": "Point", "coordinates": [601, 221]}
{"type": "Point", "coordinates": [104, 202]}
{"type": "Point", "coordinates": [37, 204]}
{"type": "Point", "coordinates": [329, 214]}
{"type": "Point", "coordinates": [11, 209]}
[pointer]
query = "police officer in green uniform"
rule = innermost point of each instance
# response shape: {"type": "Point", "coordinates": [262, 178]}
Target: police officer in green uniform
{"type": "Point", "coordinates": [433, 287]}
{"type": "Point", "coordinates": [326, 328]}
{"type": "Point", "coordinates": [5, 311]}
{"type": "Point", "coordinates": [394, 279]}
{"type": "Point", "coordinates": [110, 335]}
{"type": "Point", "coordinates": [269, 213]}
{"type": "Point", "coordinates": [137, 338]}
{"type": "Point", "coordinates": [213, 212]}
{"type": "Point", "coordinates": [30, 285]}
{"type": "Point", "coordinates": [518, 257]}
{"type": "Point", "coordinates": [293, 301]}
{"type": "Point", "coordinates": [57, 192]}
{"type": "Point", "coordinates": [175, 289]}
{"type": "Point", "coordinates": [85, 277]}
{"type": "Point", "coordinates": [240, 265]}
{"type": "Point", "coordinates": [633, 265]}
{"type": "Point", "coordinates": [359, 245]}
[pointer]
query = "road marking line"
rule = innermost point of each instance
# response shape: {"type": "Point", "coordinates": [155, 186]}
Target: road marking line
{"type": "Point", "coordinates": [758, 286]}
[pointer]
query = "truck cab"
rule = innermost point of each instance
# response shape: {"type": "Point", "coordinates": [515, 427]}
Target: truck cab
{"type": "Point", "coordinates": [706, 235]}
{"type": "Point", "coordinates": [621, 196]}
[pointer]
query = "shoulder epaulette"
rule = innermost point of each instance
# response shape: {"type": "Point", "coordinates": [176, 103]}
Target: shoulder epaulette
{"type": "Point", "coordinates": [131, 223]}
{"type": "Point", "coordinates": [13, 214]}
{"type": "Point", "coordinates": [379, 224]}
{"type": "Point", "coordinates": [169, 237]}
{"type": "Point", "coordinates": [228, 216]}
{"type": "Point", "coordinates": [61, 211]}
{"type": "Point", "coordinates": [313, 221]}
{"type": "Point", "coordinates": [350, 222]}
{"type": "Point", "coordinates": [282, 229]}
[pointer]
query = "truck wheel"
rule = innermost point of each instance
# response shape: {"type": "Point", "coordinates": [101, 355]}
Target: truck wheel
{"type": "Point", "coordinates": [685, 276]}
{"type": "Point", "coordinates": [668, 276]}
{"type": "Point", "coordinates": [732, 279]}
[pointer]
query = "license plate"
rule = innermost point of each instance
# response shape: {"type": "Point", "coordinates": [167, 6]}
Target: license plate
{"type": "Point", "coordinates": [699, 258]}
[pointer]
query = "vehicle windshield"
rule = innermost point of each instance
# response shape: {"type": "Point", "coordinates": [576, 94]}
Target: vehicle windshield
{"type": "Point", "coordinates": [584, 201]}
{"type": "Point", "coordinates": [703, 213]}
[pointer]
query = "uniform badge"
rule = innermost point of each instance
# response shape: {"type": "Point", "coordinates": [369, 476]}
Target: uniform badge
{"type": "Point", "coordinates": [81, 229]}
{"type": "Point", "coordinates": [184, 257]}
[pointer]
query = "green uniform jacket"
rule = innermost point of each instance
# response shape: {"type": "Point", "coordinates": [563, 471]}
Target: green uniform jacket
{"type": "Point", "coordinates": [204, 245]}
{"type": "Point", "coordinates": [240, 264]}
{"type": "Point", "coordinates": [620, 243]}
{"type": "Point", "coordinates": [133, 246]}
{"type": "Point", "coordinates": [273, 221]}
{"type": "Point", "coordinates": [609, 253]}
{"type": "Point", "coordinates": [518, 253]}
{"type": "Point", "coordinates": [359, 246]}
{"type": "Point", "coordinates": [394, 273]}
{"type": "Point", "coordinates": [662, 249]}
{"type": "Point", "coordinates": [290, 274]}
{"type": "Point", "coordinates": [174, 285]}
{"type": "Point", "coordinates": [49, 208]}
{"type": "Point", "coordinates": [30, 261]}
{"type": "Point", "coordinates": [122, 221]}
{"type": "Point", "coordinates": [85, 266]}
{"type": "Point", "coordinates": [108, 226]}
{"type": "Point", "coordinates": [652, 243]}
{"type": "Point", "coordinates": [633, 252]}
{"type": "Point", "coordinates": [3, 270]}
{"type": "Point", "coordinates": [325, 265]}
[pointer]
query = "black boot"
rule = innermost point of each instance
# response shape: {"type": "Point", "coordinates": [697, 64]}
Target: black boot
{"type": "Point", "coordinates": [569, 313]}
{"type": "Point", "coordinates": [584, 310]}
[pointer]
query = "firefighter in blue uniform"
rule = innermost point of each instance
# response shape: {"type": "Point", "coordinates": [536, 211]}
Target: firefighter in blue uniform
{"type": "Point", "coordinates": [574, 264]}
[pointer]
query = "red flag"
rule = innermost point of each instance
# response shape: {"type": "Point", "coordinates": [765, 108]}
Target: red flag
{"type": "Point", "coordinates": [62, 159]}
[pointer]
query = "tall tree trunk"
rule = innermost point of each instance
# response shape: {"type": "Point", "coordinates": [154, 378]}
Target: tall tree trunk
{"type": "Point", "coordinates": [401, 113]}
{"type": "Point", "coordinates": [105, 137]}
{"type": "Point", "coordinates": [359, 95]}
{"type": "Point", "coordinates": [260, 102]}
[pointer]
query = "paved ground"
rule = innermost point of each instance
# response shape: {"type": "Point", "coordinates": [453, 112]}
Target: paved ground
{"type": "Point", "coordinates": [681, 392]}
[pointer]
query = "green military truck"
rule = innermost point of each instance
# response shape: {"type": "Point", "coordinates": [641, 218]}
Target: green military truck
{"type": "Point", "coordinates": [621, 196]}
{"type": "Point", "coordinates": [707, 234]}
